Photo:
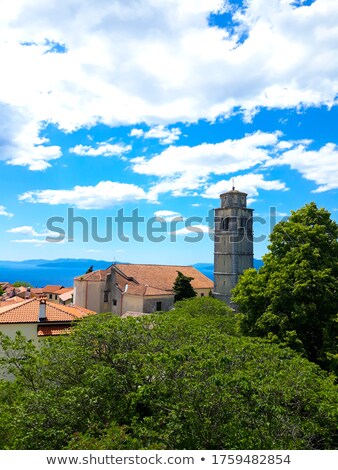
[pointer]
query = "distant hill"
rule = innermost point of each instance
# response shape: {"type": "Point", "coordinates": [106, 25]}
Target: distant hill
{"type": "Point", "coordinates": [40, 272]}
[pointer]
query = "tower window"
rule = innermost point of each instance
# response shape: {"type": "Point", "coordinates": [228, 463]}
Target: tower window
{"type": "Point", "coordinates": [106, 296]}
{"type": "Point", "coordinates": [158, 306]}
{"type": "Point", "coordinates": [225, 224]}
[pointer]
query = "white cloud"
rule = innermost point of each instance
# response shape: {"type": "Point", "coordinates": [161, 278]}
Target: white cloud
{"type": "Point", "coordinates": [4, 212]}
{"type": "Point", "coordinates": [199, 228]}
{"type": "Point", "coordinates": [221, 158]}
{"type": "Point", "coordinates": [165, 136]}
{"type": "Point", "coordinates": [20, 142]}
{"type": "Point", "coordinates": [103, 149]}
{"type": "Point", "coordinates": [319, 166]}
{"type": "Point", "coordinates": [136, 133]}
{"type": "Point", "coordinates": [184, 170]}
{"type": "Point", "coordinates": [157, 62]}
{"type": "Point", "coordinates": [24, 230]}
{"type": "Point", "coordinates": [105, 194]}
{"type": "Point", "coordinates": [249, 183]}
{"type": "Point", "coordinates": [168, 216]}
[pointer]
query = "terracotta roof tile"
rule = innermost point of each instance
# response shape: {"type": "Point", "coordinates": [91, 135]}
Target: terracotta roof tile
{"type": "Point", "coordinates": [53, 330]}
{"type": "Point", "coordinates": [28, 312]}
{"type": "Point", "coordinates": [64, 290]}
{"type": "Point", "coordinates": [36, 290]}
{"type": "Point", "coordinates": [50, 289]}
{"type": "Point", "coordinates": [12, 301]}
{"type": "Point", "coordinates": [66, 296]}
{"type": "Point", "coordinates": [161, 277]}
{"type": "Point", "coordinates": [99, 275]}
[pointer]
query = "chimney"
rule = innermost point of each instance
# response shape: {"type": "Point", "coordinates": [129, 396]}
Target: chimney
{"type": "Point", "coordinates": [42, 309]}
{"type": "Point", "coordinates": [28, 293]}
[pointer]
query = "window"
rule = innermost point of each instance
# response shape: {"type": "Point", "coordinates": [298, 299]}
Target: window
{"type": "Point", "coordinates": [51, 296]}
{"type": "Point", "coordinates": [114, 302]}
{"type": "Point", "coordinates": [229, 222]}
{"type": "Point", "coordinates": [106, 296]}
{"type": "Point", "coordinates": [225, 224]}
{"type": "Point", "coordinates": [202, 295]}
{"type": "Point", "coordinates": [158, 306]}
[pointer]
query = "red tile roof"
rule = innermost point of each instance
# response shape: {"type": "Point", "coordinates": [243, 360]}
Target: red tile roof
{"type": "Point", "coordinates": [28, 312]}
{"type": "Point", "coordinates": [64, 290]}
{"type": "Point", "coordinates": [12, 301]}
{"type": "Point", "coordinates": [36, 290]}
{"type": "Point", "coordinates": [50, 289]}
{"type": "Point", "coordinates": [160, 277]}
{"type": "Point", "coordinates": [53, 330]}
{"type": "Point", "coordinates": [99, 275]}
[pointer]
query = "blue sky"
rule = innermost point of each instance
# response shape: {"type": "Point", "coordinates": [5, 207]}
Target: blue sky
{"type": "Point", "coordinates": [156, 106]}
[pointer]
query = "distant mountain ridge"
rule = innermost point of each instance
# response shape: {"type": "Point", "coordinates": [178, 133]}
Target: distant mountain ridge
{"type": "Point", "coordinates": [40, 272]}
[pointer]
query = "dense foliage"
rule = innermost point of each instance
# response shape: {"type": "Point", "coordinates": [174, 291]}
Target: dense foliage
{"type": "Point", "coordinates": [184, 379]}
{"type": "Point", "coordinates": [293, 298]}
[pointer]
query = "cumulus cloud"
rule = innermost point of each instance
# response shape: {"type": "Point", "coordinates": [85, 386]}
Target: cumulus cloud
{"type": "Point", "coordinates": [164, 135]}
{"type": "Point", "coordinates": [105, 194]}
{"type": "Point", "coordinates": [24, 230]}
{"type": "Point", "coordinates": [225, 157]}
{"type": "Point", "coordinates": [103, 149]}
{"type": "Point", "coordinates": [184, 170]}
{"type": "Point", "coordinates": [4, 212]}
{"type": "Point", "coordinates": [319, 166]}
{"type": "Point", "coordinates": [250, 183]}
{"type": "Point", "coordinates": [159, 63]}
{"type": "Point", "coordinates": [168, 216]}
{"type": "Point", "coordinates": [20, 141]}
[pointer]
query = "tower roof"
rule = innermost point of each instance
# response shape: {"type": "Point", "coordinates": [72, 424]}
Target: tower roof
{"type": "Point", "coordinates": [233, 191]}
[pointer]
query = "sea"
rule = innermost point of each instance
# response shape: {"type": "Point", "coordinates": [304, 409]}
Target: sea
{"type": "Point", "coordinates": [62, 271]}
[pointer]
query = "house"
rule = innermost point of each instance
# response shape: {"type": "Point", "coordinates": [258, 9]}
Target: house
{"type": "Point", "coordinates": [22, 292]}
{"type": "Point", "coordinates": [7, 289]}
{"type": "Point", "coordinates": [36, 291]}
{"type": "Point", "coordinates": [65, 295]}
{"type": "Point", "coordinates": [142, 288]}
{"type": "Point", "coordinates": [38, 318]}
{"type": "Point", "coordinates": [11, 301]}
{"type": "Point", "coordinates": [50, 291]}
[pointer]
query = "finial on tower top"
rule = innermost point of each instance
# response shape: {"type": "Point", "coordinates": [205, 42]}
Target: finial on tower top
{"type": "Point", "coordinates": [233, 184]}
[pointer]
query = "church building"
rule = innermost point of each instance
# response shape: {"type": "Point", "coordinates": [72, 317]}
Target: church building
{"type": "Point", "coordinates": [143, 288]}
{"type": "Point", "coordinates": [147, 288]}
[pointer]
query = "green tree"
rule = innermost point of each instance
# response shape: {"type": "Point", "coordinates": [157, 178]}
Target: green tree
{"type": "Point", "coordinates": [21, 284]}
{"type": "Point", "coordinates": [183, 288]}
{"type": "Point", "coordinates": [293, 298]}
{"type": "Point", "coordinates": [172, 380]}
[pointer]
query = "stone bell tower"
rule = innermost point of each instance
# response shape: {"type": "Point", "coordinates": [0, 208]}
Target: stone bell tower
{"type": "Point", "coordinates": [233, 242]}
